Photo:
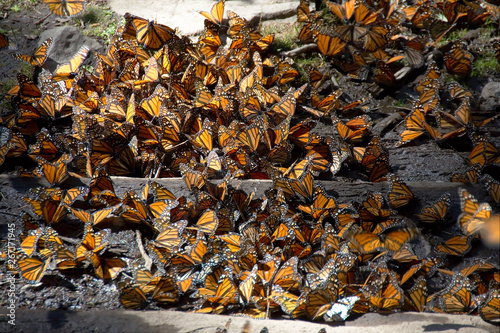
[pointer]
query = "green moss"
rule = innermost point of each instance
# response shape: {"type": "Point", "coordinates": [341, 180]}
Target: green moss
{"type": "Point", "coordinates": [98, 22]}
{"type": "Point", "coordinates": [26, 69]}
{"type": "Point", "coordinates": [485, 64]}
{"type": "Point", "coordinates": [455, 34]}
{"type": "Point", "coordinates": [401, 103]}
{"type": "Point", "coordinates": [314, 60]}
{"type": "Point", "coordinates": [6, 85]}
{"type": "Point", "coordinates": [285, 36]}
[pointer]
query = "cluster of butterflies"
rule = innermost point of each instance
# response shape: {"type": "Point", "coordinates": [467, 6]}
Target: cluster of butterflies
{"type": "Point", "coordinates": [227, 108]}
{"type": "Point", "coordinates": [373, 40]}
{"type": "Point", "coordinates": [223, 250]}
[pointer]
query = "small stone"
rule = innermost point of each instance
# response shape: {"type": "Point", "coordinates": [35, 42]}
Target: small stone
{"type": "Point", "coordinates": [490, 97]}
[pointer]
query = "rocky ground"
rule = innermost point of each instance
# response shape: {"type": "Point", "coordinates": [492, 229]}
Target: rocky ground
{"type": "Point", "coordinates": [417, 165]}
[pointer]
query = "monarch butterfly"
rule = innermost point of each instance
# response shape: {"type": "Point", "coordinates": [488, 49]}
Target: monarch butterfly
{"type": "Point", "coordinates": [429, 97]}
{"type": "Point", "coordinates": [246, 287]}
{"type": "Point", "coordinates": [151, 75]}
{"type": "Point", "coordinates": [489, 310]}
{"type": "Point", "coordinates": [208, 222]}
{"type": "Point", "coordinates": [91, 244]}
{"type": "Point", "coordinates": [148, 33]}
{"type": "Point", "coordinates": [209, 44]}
{"type": "Point", "coordinates": [456, 246]}
{"type": "Point", "coordinates": [70, 69]}
{"type": "Point", "coordinates": [32, 269]}
{"type": "Point", "coordinates": [225, 291]}
{"type": "Point", "coordinates": [391, 298]}
{"type": "Point", "coordinates": [29, 244]}
{"type": "Point", "coordinates": [319, 301]}
{"type": "Point", "coordinates": [329, 45]}
{"type": "Point", "coordinates": [115, 110]}
{"type": "Point", "coordinates": [66, 7]}
{"type": "Point", "coordinates": [468, 205]}
{"type": "Point", "coordinates": [436, 211]}
{"type": "Point", "coordinates": [192, 177]}
{"type": "Point", "coordinates": [457, 297]}
{"type": "Point", "coordinates": [375, 38]}
{"type": "Point", "coordinates": [260, 45]}
{"type": "Point", "coordinates": [276, 137]}
{"type": "Point", "coordinates": [472, 223]}
{"type": "Point", "coordinates": [303, 11]}
{"type": "Point", "coordinates": [372, 209]}
{"type": "Point", "coordinates": [416, 297]}
{"type": "Point", "coordinates": [286, 276]}
{"type": "Point", "coordinates": [284, 108]}
{"type": "Point", "coordinates": [372, 152]}
{"type": "Point", "coordinates": [490, 231]}
{"type": "Point", "coordinates": [160, 192]}
{"type": "Point", "coordinates": [426, 266]}
{"type": "Point", "coordinates": [399, 195]}
{"type": "Point", "coordinates": [354, 130]}
{"type": "Point", "coordinates": [459, 123]}
{"type": "Point", "coordinates": [250, 136]}
{"type": "Point", "coordinates": [100, 182]}
{"type": "Point", "coordinates": [108, 269]}
{"type": "Point", "coordinates": [483, 153]}
{"type": "Point", "coordinates": [152, 103]}
{"type": "Point", "coordinates": [203, 139]}
{"type": "Point", "coordinates": [27, 88]}
{"type": "Point", "coordinates": [478, 265]}
{"type": "Point", "coordinates": [470, 176]}
{"type": "Point", "coordinates": [65, 257]}
{"type": "Point", "coordinates": [303, 184]}
{"type": "Point", "coordinates": [216, 13]}
{"type": "Point", "coordinates": [55, 173]}
{"type": "Point", "coordinates": [415, 126]}
{"type": "Point", "coordinates": [380, 168]}
{"type": "Point", "coordinates": [39, 56]}
{"type": "Point", "coordinates": [324, 277]}
{"type": "Point", "coordinates": [132, 297]}
{"type": "Point", "coordinates": [45, 146]}
{"type": "Point", "coordinates": [133, 208]}
{"type": "Point", "coordinates": [456, 91]}
{"type": "Point", "coordinates": [493, 187]}
{"type": "Point", "coordinates": [343, 11]}
{"type": "Point", "coordinates": [322, 205]}
{"type": "Point", "coordinates": [392, 240]}
{"type": "Point", "coordinates": [50, 104]}
{"type": "Point", "coordinates": [413, 48]}
{"type": "Point", "coordinates": [47, 204]}
{"type": "Point", "coordinates": [4, 149]}
{"type": "Point", "coordinates": [405, 254]}
{"type": "Point", "coordinates": [383, 75]}
{"type": "Point", "coordinates": [195, 253]}
{"type": "Point", "coordinates": [430, 75]}
{"type": "Point", "coordinates": [4, 42]}
{"type": "Point", "coordinates": [93, 218]}
{"type": "Point", "coordinates": [165, 289]}
{"type": "Point", "coordinates": [458, 61]}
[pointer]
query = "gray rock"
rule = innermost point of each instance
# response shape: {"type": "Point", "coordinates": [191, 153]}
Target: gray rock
{"type": "Point", "coordinates": [66, 43]}
{"type": "Point", "coordinates": [490, 97]}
